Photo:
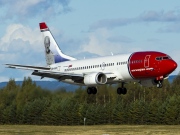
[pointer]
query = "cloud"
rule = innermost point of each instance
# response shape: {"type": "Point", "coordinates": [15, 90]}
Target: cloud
{"type": "Point", "coordinates": [20, 38]}
{"type": "Point", "coordinates": [69, 46]}
{"type": "Point", "coordinates": [111, 23]}
{"type": "Point", "coordinates": [175, 28]}
{"type": "Point", "coordinates": [153, 40]}
{"type": "Point", "coordinates": [23, 45]}
{"type": "Point", "coordinates": [4, 79]}
{"type": "Point", "coordinates": [102, 42]}
{"type": "Point", "coordinates": [146, 17]}
{"type": "Point", "coordinates": [20, 45]}
{"type": "Point", "coordinates": [24, 9]}
{"type": "Point", "coordinates": [121, 39]}
{"type": "Point", "coordinates": [153, 16]}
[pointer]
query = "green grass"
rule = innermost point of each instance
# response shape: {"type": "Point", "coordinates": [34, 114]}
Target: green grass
{"type": "Point", "coordinates": [90, 130]}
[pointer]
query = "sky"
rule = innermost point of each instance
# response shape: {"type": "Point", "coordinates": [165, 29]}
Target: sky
{"type": "Point", "coordinates": [85, 28]}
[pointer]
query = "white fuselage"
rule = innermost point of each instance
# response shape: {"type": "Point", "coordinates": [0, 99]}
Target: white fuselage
{"type": "Point", "coordinates": [115, 67]}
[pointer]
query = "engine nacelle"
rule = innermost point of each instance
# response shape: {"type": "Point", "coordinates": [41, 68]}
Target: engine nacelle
{"type": "Point", "coordinates": [148, 83]}
{"type": "Point", "coordinates": [95, 79]}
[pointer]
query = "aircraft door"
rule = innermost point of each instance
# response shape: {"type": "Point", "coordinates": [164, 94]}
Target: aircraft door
{"type": "Point", "coordinates": [146, 63]}
{"type": "Point", "coordinates": [156, 64]}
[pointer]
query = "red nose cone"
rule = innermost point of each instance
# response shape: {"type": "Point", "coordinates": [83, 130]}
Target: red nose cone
{"type": "Point", "coordinates": [167, 67]}
{"type": "Point", "coordinates": [175, 65]}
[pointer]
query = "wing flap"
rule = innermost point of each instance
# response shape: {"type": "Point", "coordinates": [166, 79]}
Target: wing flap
{"type": "Point", "coordinates": [58, 76]}
{"type": "Point", "coordinates": [25, 67]}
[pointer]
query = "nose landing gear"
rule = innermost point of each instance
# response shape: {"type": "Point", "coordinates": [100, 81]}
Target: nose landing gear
{"type": "Point", "coordinates": [159, 84]}
{"type": "Point", "coordinates": [159, 81]}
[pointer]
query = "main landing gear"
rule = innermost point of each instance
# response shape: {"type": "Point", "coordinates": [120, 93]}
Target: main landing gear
{"type": "Point", "coordinates": [121, 90]}
{"type": "Point", "coordinates": [91, 90]}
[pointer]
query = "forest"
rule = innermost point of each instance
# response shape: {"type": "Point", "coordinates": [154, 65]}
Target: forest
{"type": "Point", "coordinates": [30, 104]}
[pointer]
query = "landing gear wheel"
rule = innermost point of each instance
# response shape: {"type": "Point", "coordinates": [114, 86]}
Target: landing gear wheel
{"type": "Point", "coordinates": [94, 90]}
{"type": "Point", "coordinates": [121, 91]}
{"type": "Point", "coordinates": [124, 91]}
{"type": "Point", "coordinates": [91, 90]}
{"type": "Point", "coordinates": [159, 85]}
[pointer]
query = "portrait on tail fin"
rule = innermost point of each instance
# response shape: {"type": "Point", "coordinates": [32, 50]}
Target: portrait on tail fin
{"type": "Point", "coordinates": [47, 44]}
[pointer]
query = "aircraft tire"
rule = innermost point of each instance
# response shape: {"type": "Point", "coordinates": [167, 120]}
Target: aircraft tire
{"type": "Point", "coordinates": [94, 90]}
{"type": "Point", "coordinates": [119, 90]}
{"type": "Point", "coordinates": [159, 85]}
{"type": "Point", "coordinates": [124, 91]}
{"type": "Point", "coordinates": [89, 91]}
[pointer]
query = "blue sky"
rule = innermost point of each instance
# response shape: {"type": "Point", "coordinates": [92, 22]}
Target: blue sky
{"type": "Point", "coordinates": [82, 28]}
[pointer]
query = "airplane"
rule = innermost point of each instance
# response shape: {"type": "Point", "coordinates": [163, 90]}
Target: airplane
{"type": "Point", "coordinates": [148, 68]}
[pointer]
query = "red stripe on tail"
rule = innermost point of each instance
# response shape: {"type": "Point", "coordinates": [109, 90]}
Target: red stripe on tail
{"type": "Point", "coordinates": [43, 25]}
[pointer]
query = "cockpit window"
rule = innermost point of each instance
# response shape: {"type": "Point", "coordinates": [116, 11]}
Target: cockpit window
{"type": "Point", "coordinates": [169, 57]}
{"type": "Point", "coordinates": [163, 58]}
{"type": "Point", "coordinates": [158, 58]}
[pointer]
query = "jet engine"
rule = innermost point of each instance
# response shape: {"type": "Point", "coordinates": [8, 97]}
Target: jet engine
{"type": "Point", "coordinates": [95, 79]}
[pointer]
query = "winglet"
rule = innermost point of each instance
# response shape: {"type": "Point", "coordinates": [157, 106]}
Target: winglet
{"type": "Point", "coordinates": [43, 25]}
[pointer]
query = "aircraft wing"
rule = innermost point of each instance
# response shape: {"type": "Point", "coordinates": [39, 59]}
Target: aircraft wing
{"type": "Point", "coordinates": [25, 67]}
{"type": "Point", "coordinates": [47, 72]}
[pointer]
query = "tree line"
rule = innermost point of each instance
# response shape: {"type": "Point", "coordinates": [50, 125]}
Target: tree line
{"type": "Point", "coordinates": [30, 104]}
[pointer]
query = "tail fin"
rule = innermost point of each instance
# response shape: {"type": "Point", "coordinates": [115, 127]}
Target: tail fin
{"type": "Point", "coordinates": [52, 50]}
